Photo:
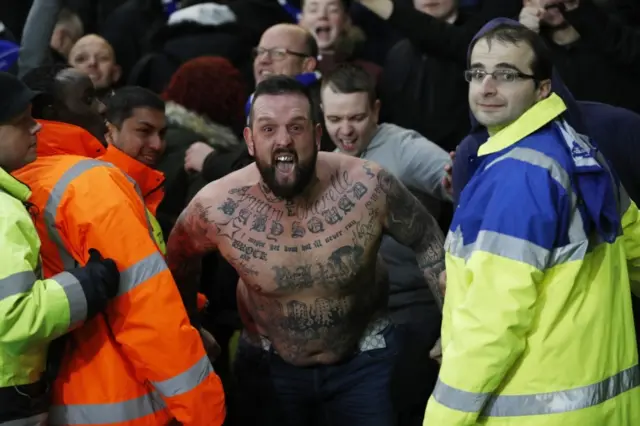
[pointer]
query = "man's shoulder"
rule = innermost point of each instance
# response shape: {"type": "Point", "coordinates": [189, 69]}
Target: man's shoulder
{"type": "Point", "coordinates": [330, 163]}
{"type": "Point", "coordinates": [221, 188]}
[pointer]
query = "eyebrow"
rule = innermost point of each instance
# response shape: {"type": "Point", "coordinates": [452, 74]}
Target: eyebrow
{"type": "Point", "coordinates": [508, 66]}
{"type": "Point", "coordinates": [477, 65]}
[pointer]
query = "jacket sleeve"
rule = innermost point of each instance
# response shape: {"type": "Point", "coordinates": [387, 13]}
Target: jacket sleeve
{"type": "Point", "coordinates": [631, 238]}
{"type": "Point", "coordinates": [220, 164]}
{"type": "Point", "coordinates": [493, 273]}
{"type": "Point", "coordinates": [36, 36]}
{"type": "Point", "coordinates": [147, 317]}
{"type": "Point", "coordinates": [439, 38]}
{"type": "Point", "coordinates": [422, 163]}
{"type": "Point", "coordinates": [33, 311]}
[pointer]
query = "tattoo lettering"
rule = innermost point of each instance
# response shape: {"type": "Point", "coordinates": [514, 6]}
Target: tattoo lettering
{"type": "Point", "coordinates": [315, 225]}
{"type": "Point", "coordinates": [332, 216]}
{"type": "Point", "coordinates": [275, 231]}
{"type": "Point", "coordinates": [290, 249]}
{"type": "Point", "coordinates": [297, 231]}
{"type": "Point", "coordinates": [359, 190]}
{"type": "Point", "coordinates": [345, 204]}
{"type": "Point", "coordinates": [293, 279]}
{"type": "Point", "coordinates": [317, 243]}
{"type": "Point", "coordinates": [243, 216]}
{"type": "Point", "coordinates": [248, 252]}
{"type": "Point", "coordinates": [259, 223]}
{"type": "Point", "coordinates": [333, 237]}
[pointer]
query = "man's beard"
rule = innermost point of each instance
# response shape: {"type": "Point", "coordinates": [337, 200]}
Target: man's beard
{"type": "Point", "coordinates": [303, 174]}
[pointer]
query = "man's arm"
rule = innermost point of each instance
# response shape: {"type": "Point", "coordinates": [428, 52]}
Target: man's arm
{"type": "Point", "coordinates": [423, 166]}
{"type": "Point", "coordinates": [409, 223]}
{"type": "Point", "coordinates": [192, 237]}
{"type": "Point", "coordinates": [437, 37]}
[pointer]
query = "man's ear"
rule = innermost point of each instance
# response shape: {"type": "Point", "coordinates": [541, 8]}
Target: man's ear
{"type": "Point", "coordinates": [248, 138]}
{"type": "Point", "coordinates": [544, 90]}
{"type": "Point", "coordinates": [309, 65]}
{"type": "Point", "coordinates": [376, 109]}
{"type": "Point", "coordinates": [111, 133]}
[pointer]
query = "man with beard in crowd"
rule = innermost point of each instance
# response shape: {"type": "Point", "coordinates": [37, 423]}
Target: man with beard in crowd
{"type": "Point", "coordinates": [303, 230]}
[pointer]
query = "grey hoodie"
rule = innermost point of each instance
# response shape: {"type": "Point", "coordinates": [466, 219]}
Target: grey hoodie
{"type": "Point", "coordinates": [419, 164]}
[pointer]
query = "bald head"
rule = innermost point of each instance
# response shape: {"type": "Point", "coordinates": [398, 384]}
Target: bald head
{"type": "Point", "coordinates": [285, 49]}
{"type": "Point", "coordinates": [94, 56]}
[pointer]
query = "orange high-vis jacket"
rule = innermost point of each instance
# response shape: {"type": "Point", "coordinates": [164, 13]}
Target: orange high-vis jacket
{"type": "Point", "coordinates": [140, 363]}
{"type": "Point", "coordinates": [150, 181]}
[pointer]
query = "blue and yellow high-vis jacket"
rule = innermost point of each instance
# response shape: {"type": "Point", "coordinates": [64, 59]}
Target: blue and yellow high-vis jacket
{"type": "Point", "coordinates": [33, 311]}
{"type": "Point", "coordinates": [537, 322]}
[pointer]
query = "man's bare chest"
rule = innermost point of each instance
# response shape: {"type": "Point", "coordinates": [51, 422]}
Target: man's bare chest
{"type": "Point", "coordinates": [281, 247]}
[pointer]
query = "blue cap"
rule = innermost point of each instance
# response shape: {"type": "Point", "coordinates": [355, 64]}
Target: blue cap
{"type": "Point", "coordinates": [9, 52]}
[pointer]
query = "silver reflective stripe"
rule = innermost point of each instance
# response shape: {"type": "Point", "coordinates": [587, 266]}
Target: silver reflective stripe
{"type": "Point", "coordinates": [17, 283]}
{"type": "Point", "coordinates": [513, 248]}
{"type": "Point", "coordinates": [39, 420]}
{"type": "Point", "coordinates": [186, 381]}
{"type": "Point", "coordinates": [538, 404]}
{"type": "Point", "coordinates": [53, 202]}
{"type": "Point", "coordinates": [560, 175]}
{"type": "Point", "coordinates": [141, 271]}
{"type": "Point", "coordinates": [100, 414]}
{"type": "Point", "coordinates": [75, 296]}
{"type": "Point", "coordinates": [146, 211]}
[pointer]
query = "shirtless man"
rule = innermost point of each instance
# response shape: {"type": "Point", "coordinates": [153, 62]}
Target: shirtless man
{"type": "Point", "coordinates": [303, 229]}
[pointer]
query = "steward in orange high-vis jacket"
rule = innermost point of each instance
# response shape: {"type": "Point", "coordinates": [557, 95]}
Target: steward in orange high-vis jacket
{"type": "Point", "coordinates": [141, 363]}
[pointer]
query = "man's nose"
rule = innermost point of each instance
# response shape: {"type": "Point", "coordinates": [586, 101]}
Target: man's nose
{"type": "Point", "coordinates": [156, 142]}
{"type": "Point", "coordinates": [346, 129]}
{"type": "Point", "coordinates": [489, 85]}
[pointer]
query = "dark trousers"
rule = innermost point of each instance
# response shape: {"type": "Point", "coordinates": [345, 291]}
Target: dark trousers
{"type": "Point", "coordinates": [355, 392]}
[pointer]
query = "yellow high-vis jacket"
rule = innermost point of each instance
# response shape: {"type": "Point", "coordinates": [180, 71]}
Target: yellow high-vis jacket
{"type": "Point", "coordinates": [537, 325]}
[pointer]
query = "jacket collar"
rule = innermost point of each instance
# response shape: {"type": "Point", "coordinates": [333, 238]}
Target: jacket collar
{"type": "Point", "coordinates": [57, 138]}
{"type": "Point", "coordinates": [149, 181]}
{"type": "Point", "coordinates": [536, 117]}
{"type": "Point", "coordinates": [13, 186]}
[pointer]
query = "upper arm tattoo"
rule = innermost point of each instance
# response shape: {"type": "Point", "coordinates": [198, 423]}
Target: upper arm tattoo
{"type": "Point", "coordinates": [191, 238]}
{"type": "Point", "coordinates": [409, 223]}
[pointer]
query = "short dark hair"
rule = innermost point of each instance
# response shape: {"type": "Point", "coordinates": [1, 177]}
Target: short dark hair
{"type": "Point", "coordinates": [348, 78]}
{"type": "Point", "coordinates": [311, 45]}
{"type": "Point", "coordinates": [121, 104]}
{"type": "Point", "coordinates": [283, 85]}
{"type": "Point", "coordinates": [541, 65]}
{"type": "Point", "coordinates": [43, 80]}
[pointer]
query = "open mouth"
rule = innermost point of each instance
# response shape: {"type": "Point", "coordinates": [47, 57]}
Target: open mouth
{"type": "Point", "coordinates": [323, 32]}
{"type": "Point", "coordinates": [349, 144]}
{"type": "Point", "coordinates": [285, 163]}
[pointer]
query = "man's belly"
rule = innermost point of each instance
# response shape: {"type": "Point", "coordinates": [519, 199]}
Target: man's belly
{"type": "Point", "coordinates": [308, 331]}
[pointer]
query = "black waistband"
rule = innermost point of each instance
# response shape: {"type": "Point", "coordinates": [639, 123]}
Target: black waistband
{"type": "Point", "coordinates": [23, 401]}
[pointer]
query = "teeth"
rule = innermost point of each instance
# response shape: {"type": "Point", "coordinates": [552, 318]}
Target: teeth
{"type": "Point", "coordinates": [284, 158]}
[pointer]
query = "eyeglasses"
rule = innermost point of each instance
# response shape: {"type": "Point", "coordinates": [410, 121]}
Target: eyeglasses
{"type": "Point", "coordinates": [277, 53]}
{"type": "Point", "coordinates": [502, 76]}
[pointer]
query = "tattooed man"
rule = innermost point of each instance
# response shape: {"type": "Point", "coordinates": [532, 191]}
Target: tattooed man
{"type": "Point", "coordinates": [303, 229]}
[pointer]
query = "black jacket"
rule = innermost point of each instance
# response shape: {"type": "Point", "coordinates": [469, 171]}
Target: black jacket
{"type": "Point", "coordinates": [422, 86]}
